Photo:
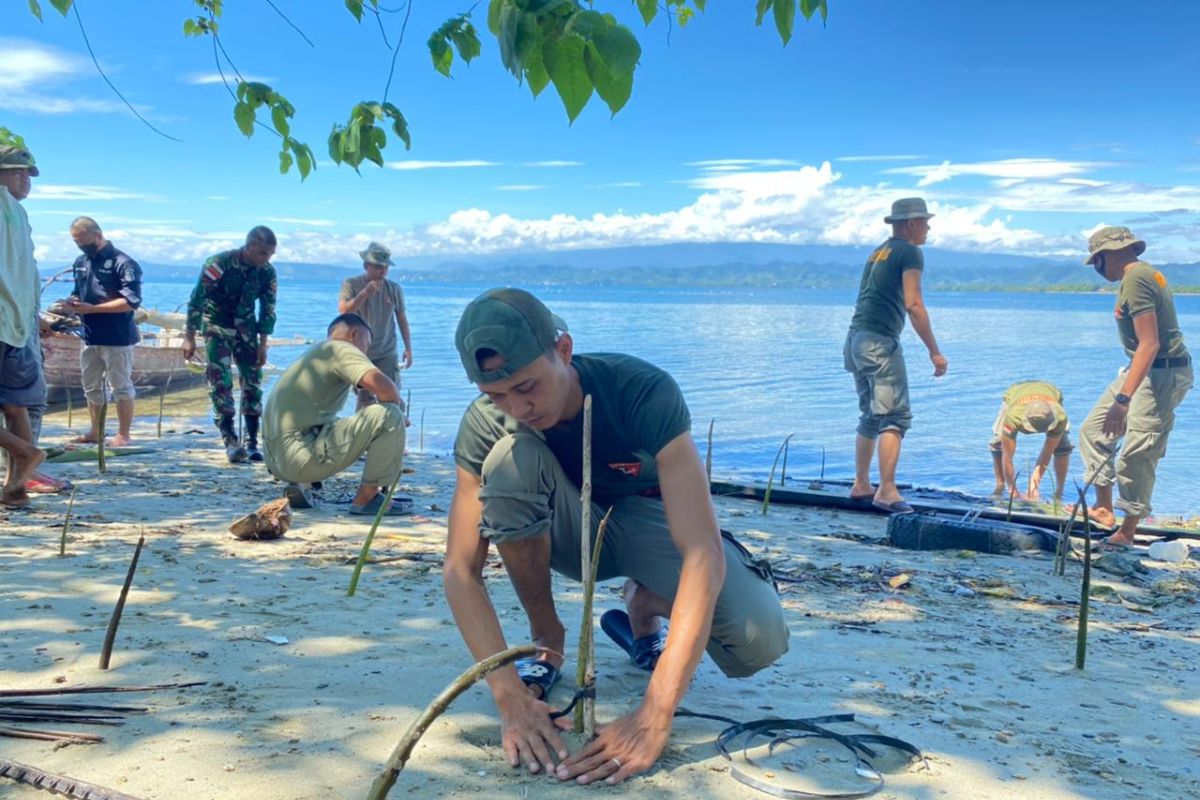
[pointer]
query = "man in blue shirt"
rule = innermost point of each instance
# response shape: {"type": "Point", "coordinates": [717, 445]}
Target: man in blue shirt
{"type": "Point", "coordinates": [108, 287]}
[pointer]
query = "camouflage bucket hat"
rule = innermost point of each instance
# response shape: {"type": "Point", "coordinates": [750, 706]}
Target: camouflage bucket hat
{"type": "Point", "coordinates": [1040, 416]}
{"type": "Point", "coordinates": [908, 208]}
{"type": "Point", "coordinates": [510, 322]}
{"type": "Point", "coordinates": [13, 157]}
{"type": "Point", "coordinates": [1113, 237]}
{"type": "Point", "coordinates": [376, 254]}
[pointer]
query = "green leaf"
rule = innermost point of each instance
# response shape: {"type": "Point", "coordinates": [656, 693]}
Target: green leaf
{"type": "Point", "coordinates": [304, 158]}
{"type": "Point", "coordinates": [35, 9]}
{"type": "Point", "coordinates": [243, 115]}
{"type": "Point", "coordinates": [356, 8]}
{"type": "Point", "coordinates": [493, 21]}
{"type": "Point", "coordinates": [279, 117]}
{"type": "Point", "coordinates": [760, 10]}
{"type": "Point", "coordinates": [256, 93]}
{"type": "Point", "coordinates": [335, 144]}
{"type": "Point", "coordinates": [648, 9]}
{"type": "Point", "coordinates": [699, 4]}
{"type": "Point", "coordinates": [62, 6]}
{"type": "Point", "coordinates": [352, 142]}
{"type": "Point", "coordinates": [569, 74]}
{"type": "Point", "coordinates": [614, 88]}
{"type": "Point", "coordinates": [587, 23]}
{"type": "Point", "coordinates": [285, 161]}
{"type": "Point", "coordinates": [371, 153]}
{"type": "Point", "coordinates": [190, 28]}
{"type": "Point", "coordinates": [619, 48]}
{"type": "Point", "coordinates": [808, 7]}
{"type": "Point", "coordinates": [466, 41]}
{"type": "Point", "coordinates": [684, 16]}
{"type": "Point", "coordinates": [442, 55]}
{"type": "Point", "coordinates": [785, 19]}
{"type": "Point", "coordinates": [519, 34]}
{"type": "Point", "coordinates": [535, 72]}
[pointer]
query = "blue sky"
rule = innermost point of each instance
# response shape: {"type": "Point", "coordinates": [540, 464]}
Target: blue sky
{"type": "Point", "coordinates": [1025, 129]}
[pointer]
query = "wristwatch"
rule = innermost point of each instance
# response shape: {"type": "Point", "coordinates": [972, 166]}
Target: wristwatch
{"type": "Point", "coordinates": [1123, 399]}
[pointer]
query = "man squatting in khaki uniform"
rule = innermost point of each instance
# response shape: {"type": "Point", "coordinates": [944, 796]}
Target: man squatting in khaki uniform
{"type": "Point", "coordinates": [379, 301]}
{"type": "Point", "coordinates": [305, 441]}
{"type": "Point", "coordinates": [890, 286]}
{"type": "Point", "coordinates": [519, 465]}
{"type": "Point", "coordinates": [1140, 404]}
{"type": "Point", "coordinates": [1031, 407]}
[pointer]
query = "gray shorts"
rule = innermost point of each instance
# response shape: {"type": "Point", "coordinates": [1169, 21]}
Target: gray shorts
{"type": "Point", "coordinates": [100, 361]}
{"type": "Point", "coordinates": [389, 365]}
{"type": "Point", "coordinates": [21, 380]}
{"type": "Point", "coordinates": [525, 493]}
{"type": "Point", "coordinates": [881, 380]}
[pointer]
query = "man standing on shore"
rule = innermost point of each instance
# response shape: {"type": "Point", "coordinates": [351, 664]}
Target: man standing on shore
{"type": "Point", "coordinates": [890, 287]}
{"type": "Point", "coordinates": [21, 381]}
{"type": "Point", "coordinates": [222, 308]}
{"type": "Point", "coordinates": [108, 288]}
{"type": "Point", "coordinates": [380, 302]}
{"type": "Point", "coordinates": [1031, 407]}
{"type": "Point", "coordinates": [1140, 404]}
{"type": "Point", "coordinates": [519, 466]}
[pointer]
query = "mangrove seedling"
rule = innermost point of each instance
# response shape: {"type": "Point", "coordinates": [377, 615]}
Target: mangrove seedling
{"type": "Point", "coordinates": [771, 479]}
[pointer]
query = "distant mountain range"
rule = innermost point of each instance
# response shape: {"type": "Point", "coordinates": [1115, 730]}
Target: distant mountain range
{"type": "Point", "coordinates": [728, 264]}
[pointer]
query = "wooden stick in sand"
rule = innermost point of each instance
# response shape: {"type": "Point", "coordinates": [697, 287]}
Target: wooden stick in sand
{"type": "Point", "coordinates": [70, 404]}
{"type": "Point", "coordinates": [708, 453]}
{"type": "Point", "coordinates": [111, 635]}
{"type": "Point", "coordinates": [585, 712]}
{"type": "Point", "coordinates": [1011, 494]}
{"type": "Point", "coordinates": [100, 464]}
{"type": "Point", "coordinates": [162, 396]}
{"type": "Point", "coordinates": [400, 755]}
{"type": "Point", "coordinates": [62, 545]}
{"type": "Point", "coordinates": [61, 690]}
{"type": "Point", "coordinates": [366, 548]}
{"type": "Point", "coordinates": [421, 448]}
{"type": "Point", "coordinates": [771, 479]}
{"type": "Point", "coordinates": [1085, 591]}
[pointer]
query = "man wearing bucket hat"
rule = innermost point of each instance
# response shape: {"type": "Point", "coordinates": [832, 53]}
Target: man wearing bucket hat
{"type": "Point", "coordinates": [1140, 404]}
{"type": "Point", "coordinates": [519, 470]}
{"type": "Point", "coordinates": [21, 381]}
{"type": "Point", "coordinates": [890, 288]}
{"type": "Point", "coordinates": [381, 303]}
{"type": "Point", "coordinates": [1031, 407]}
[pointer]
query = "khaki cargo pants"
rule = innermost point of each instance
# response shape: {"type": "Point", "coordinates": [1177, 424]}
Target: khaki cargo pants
{"type": "Point", "coordinates": [321, 452]}
{"type": "Point", "coordinates": [881, 380]}
{"type": "Point", "coordinates": [525, 493]}
{"type": "Point", "coordinates": [1148, 426]}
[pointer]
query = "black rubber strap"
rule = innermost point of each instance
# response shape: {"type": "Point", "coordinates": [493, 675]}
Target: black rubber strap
{"type": "Point", "coordinates": [582, 694]}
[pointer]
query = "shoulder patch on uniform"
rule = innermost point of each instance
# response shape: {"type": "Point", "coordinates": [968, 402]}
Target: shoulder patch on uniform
{"type": "Point", "coordinates": [212, 273]}
{"type": "Point", "coordinates": [1160, 279]}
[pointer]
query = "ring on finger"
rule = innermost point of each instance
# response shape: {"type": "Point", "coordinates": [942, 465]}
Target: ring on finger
{"type": "Point", "coordinates": [616, 762]}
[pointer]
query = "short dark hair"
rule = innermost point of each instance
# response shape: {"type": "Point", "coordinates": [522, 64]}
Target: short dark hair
{"type": "Point", "coordinates": [261, 234]}
{"type": "Point", "coordinates": [349, 320]}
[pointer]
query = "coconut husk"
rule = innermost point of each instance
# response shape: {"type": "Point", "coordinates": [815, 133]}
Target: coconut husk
{"type": "Point", "coordinates": [270, 521]}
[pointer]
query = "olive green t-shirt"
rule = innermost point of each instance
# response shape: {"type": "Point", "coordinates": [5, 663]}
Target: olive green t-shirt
{"type": "Point", "coordinates": [379, 312]}
{"type": "Point", "coordinates": [880, 305]}
{"type": "Point", "coordinates": [313, 390]}
{"type": "Point", "coordinates": [1145, 289]}
{"type": "Point", "coordinates": [637, 409]}
{"type": "Point", "coordinates": [1019, 395]}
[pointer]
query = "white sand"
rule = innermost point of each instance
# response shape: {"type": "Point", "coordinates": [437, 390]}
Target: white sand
{"type": "Point", "coordinates": [984, 684]}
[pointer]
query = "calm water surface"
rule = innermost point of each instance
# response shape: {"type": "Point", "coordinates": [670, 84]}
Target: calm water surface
{"type": "Point", "coordinates": [767, 363]}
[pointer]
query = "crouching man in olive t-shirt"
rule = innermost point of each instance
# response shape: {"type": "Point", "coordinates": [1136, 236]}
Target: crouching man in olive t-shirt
{"type": "Point", "coordinates": [519, 465]}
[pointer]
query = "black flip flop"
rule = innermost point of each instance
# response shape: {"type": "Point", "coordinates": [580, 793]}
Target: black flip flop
{"type": "Point", "coordinates": [898, 507]}
{"type": "Point", "coordinates": [538, 672]}
{"type": "Point", "coordinates": [645, 651]}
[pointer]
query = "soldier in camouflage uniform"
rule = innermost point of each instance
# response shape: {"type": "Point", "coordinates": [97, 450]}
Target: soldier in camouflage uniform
{"type": "Point", "coordinates": [222, 308]}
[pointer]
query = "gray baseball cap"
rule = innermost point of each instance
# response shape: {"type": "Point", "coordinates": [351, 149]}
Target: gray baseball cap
{"type": "Point", "coordinates": [512, 323]}
{"type": "Point", "coordinates": [908, 208]}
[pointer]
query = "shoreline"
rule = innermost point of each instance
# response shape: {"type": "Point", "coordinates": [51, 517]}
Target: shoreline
{"type": "Point", "coordinates": [969, 657]}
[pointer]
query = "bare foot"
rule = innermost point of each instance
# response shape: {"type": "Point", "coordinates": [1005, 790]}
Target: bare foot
{"type": "Point", "coordinates": [121, 440]}
{"type": "Point", "coordinates": [864, 492]}
{"type": "Point", "coordinates": [1101, 516]}
{"type": "Point", "coordinates": [87, 438]}
{"type": "Point", "coordinates": [644, 617]}
{"type": "Point", "coordinates": [21, 467]}
{"type": "Point", "coordinates": [16, 498]}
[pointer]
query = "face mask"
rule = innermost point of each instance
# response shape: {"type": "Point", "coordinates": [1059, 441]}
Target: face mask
{"type": "Point", "coordinates": [89, 250]}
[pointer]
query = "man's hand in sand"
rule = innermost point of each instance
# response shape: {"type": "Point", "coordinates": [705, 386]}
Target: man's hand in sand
{"type": "Point", "coordinates": [624, 747]}
{"type": "Point", "coordinates": [527, 733]}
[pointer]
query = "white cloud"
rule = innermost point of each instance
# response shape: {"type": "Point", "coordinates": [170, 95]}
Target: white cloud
{"type": "Point", "coordinates": [462, 164]}
{"type": "Point", "coordinates": [28, 69]}
{"type": "Point", "coordinates": [1009, 168]}
{"type": "Point", "coordinates": [738, 164]}
{"type": "Point", "coordinates": [52, 191]}
{"type": "Point", "coordinates": [312, 223]}
{"type": "Point", "coordinates": [521, 187]}
{"type": "Point", "coordinates": [210, 78]}
{"type": "Point", "coordinates": [552, 164]}
{"type": "Point", "coordinates": [619, 185]}
{"type": "Point", "coordinates": [879, 158]}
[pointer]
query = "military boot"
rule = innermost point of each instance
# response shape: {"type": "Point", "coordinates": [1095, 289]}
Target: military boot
{"type": "Point", "coordinates": [252, 438]}
{"type": "Point", "coordinates": [233, 448]}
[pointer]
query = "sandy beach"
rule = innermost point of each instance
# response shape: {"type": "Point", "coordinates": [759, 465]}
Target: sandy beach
{"type": "Point", "coordinates": [969, 657]}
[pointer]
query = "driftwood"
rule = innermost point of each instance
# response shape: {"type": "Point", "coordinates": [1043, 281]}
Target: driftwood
{"type": "Point", "coordinates": [158, 687]}
{"type": "Point", "coordinates": [585, 671]}
{"type": "Point", "coordinates": [57, 784]}
{"type": "Point", "coordinates": [270, 521]}
{"type": "Point", "coordinates": [111, 635]}
{"type": "Point", "coordinates": [70, 737]}
{"type": "Point", "coordinates": [399, 757]}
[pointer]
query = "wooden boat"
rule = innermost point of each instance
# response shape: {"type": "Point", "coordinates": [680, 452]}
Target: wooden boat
{"type": "Point", "coordinates": [834, 494]}
{"type": "Point", "coordinates": [158, 362]}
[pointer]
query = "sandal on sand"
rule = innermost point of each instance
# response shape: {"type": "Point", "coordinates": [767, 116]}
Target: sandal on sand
{"type": "Point", "coordinates": [1109, 546]}
{"type": "Point", "coordinates": [862, 498]}
{"type": "Point", "coordinates": [45, 484]}
{"type": "Point", "coordinates": [898, 507]}
{"type": "Point", "coordinates": [299, 497]}
{"type": "Point", "coordinates": [644, 651]}
{"type": "Point", "coordinates": [538, 672]}
{"type": "Point", "coordinates": [400, 505]}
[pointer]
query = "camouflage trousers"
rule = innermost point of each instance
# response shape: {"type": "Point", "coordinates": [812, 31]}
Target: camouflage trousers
{"type": "Point", "coordinates": [223, 352]}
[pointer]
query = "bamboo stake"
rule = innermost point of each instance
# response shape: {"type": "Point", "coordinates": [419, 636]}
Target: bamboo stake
{"type": "Point", "coordinates": [366, 548]}
{"type": "Point", "coordinates": [400, 755]}
{"type": "Point", "coordinates": [1085, 592]}
{"type": "Point", "coordinates": [111, 635]}
{"type": "Point", "coordinates": [100, 463]}
{"type": "Point", "coordinates": [771, 479]}
{"type": "Point", "coordinates": [708, 453]}
{"type": "Point", "coordinates": [422, 443]}
{"type": "Point", "coordinates": [70, 406]}
{"type": "Point", "coordinates": [408, 407]}
{"type": "Point", "coordinates": [61, 690]}
{"type": "Point", "coordinates": [822, 463]}
{"type": "Point", "coordinates": [1011, 494]}
{"type": "Point", "coordinates": [585, 713]}
{"type": "Point", "coordinates": [62, 545]}
{"type": "Point", "coordinates": [161, 397]}
{"type": "Point", "coordinates": [783, 468]}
